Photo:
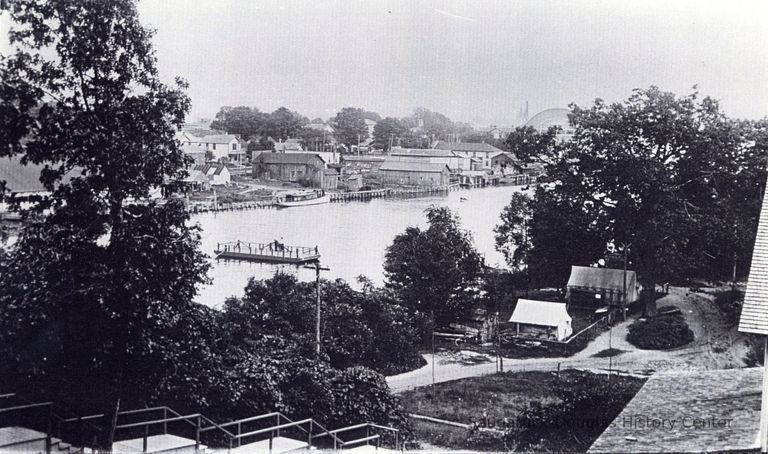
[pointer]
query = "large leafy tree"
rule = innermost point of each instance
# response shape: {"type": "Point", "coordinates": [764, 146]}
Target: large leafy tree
{"type": "Point", "coordinates": [437, 270]}
{"type": "Point", "coordinates": [247, 122]}
{"type": "Point", "coordinates": [388, 131]}
{"type": "Point", "coordinates": [101, 288]}
{"type": "Point", "coordinates": [349, 126]}
{"type": "Point", "coordinates": [657, 172]}
{"type": "Point", "coordinates": [284, 123]}
{"type": "Point", "coordinates": [512, 233]}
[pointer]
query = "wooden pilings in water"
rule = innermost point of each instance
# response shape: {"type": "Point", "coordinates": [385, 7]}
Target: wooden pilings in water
{"type": "Point", "coordinates": [204, 207]}
{"type": "Point", "coordinates": [360, 195]}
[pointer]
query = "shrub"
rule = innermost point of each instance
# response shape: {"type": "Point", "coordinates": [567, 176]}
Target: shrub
{"type": "Point", "coordinates": [660, 332]}
{"type": "Point", "coordinates": [729, 303]}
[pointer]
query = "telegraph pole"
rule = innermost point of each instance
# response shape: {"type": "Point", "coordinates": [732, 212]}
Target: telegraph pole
{"type": "Point", "coordinates": [626, 247]}
{"type": "Point", "coordinates": [317, 269]}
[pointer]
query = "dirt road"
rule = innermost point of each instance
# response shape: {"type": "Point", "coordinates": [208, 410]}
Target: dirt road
{"type": "Point", "coordinates": [716, 346]}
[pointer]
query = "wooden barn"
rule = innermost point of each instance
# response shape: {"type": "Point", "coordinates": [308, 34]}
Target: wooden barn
{"type": "Point", "coordinates": [597, 287]}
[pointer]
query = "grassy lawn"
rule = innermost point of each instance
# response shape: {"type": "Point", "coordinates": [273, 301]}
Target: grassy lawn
{"type": "Point", "coordinates": [511, 400]}
{"type": "Point", "coordinates": [497, 396]}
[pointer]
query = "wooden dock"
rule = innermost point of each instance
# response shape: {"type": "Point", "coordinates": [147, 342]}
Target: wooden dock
{"type": "Point", "coordinates": [274, 252]}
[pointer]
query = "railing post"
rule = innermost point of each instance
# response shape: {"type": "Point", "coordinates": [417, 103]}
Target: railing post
{"type": "Point", "coordinates": [48, 429]}
{"type": "Point", "coordinates": [238, 435]}
{"type": "Point", "coordinates": [278, 423]}
{"type": "Point", "coordinates": [144, 439]}
{"type": "Point", "coordinates": [367, 434]}
{"type": "Point", "coordinates": [165, 423]}
{"type": "Point", "coordinates": [309, 435]}
{"type": "Point", "coordinates": [197, 434]}
{"type": "Point", "coordinates": [270, 443]}
{"type": "Point", "coordinates": [397, 441]}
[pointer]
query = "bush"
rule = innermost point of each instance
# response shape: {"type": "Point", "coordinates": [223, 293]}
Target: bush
{"type": "Point", "coordinates": [660, 332]}
{"type": "Point", "coordinates": [729, 303]}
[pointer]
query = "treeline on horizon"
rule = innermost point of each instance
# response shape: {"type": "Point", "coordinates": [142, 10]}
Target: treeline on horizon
{"type": "Point", "coordinates": [418, 130]}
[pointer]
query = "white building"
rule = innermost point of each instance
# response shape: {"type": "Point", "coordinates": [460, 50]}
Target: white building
{"type": "Point", "coordinates": [541, 320]}
{"type": "Point", "coordinates": [218, 174]}
{"type": "Point", "coordinates": [481, 151]}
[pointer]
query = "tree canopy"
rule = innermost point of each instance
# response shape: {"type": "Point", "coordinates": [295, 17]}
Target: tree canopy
{"type": "Point", "coordinates": [349, 126]}
{"type": "Point", "coordinates": [436, 270]}
{"type": "Point", "coordinates": [671, 176]}
{"type": "Point", "coordinates": [252, 124]}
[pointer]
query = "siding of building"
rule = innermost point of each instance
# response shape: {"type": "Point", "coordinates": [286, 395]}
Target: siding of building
{"type": "Point", "coordinates": [415, 173]}
{"type": "Point", "coordinates": [292, 167]}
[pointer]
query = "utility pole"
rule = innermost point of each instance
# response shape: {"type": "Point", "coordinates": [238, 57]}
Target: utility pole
{"type": "Point", "coordinates": [317, 269]}
{"type": "Point", "coordinates": [626, 247]}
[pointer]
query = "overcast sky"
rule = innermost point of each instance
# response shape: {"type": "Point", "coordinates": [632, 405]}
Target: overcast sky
{"type": "Point", "coordinates": [475, 61]}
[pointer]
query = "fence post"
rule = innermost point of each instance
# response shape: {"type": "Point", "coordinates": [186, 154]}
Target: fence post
{"type": "Point", "coordinates": [197, 434]}
{"type": "Point", "coordinates": [165, 423]}
{"type": "Point", "coordinates": [144, 439]}
{"type": "Point", "coordinates": [558, 371]}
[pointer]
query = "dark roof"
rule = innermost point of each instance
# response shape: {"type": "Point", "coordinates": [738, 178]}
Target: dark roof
{"type": "Point", "coordinates": [466, 146]}
{"type": "Point", "coordinates": [754, 312]}
{"type": "Point", "coordinates": [422, 152]}
{"type": "Point", "coordinates": [218, 138]}
{"type": "Point", "coordinates": [330, 172]}
{"type": "Point", "coordinates": [731, 397]}
{"type": "Point", "coordinates": [600, 278]}
{"type": "Point", "coordinates": [267, 157]}
{"type": "Point", "coordinates": [20, 178]}
{"type": "Point", "coordinates": [205, 168]}
{"type": "Point", "coordinates": [413, 166]}
{"type": "Point", "coordinates": [363, 158]}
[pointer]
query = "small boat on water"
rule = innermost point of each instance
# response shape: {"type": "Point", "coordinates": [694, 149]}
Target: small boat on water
{"type": "Point", "coordinates": [304, 197]}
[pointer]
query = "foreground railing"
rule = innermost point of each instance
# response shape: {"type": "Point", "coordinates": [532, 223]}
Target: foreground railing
{"type": "Point", "coordinates": [366, 439]}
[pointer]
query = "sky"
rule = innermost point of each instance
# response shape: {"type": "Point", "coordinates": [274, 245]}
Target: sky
{"type": "Point", "coordinates": [476, 61]}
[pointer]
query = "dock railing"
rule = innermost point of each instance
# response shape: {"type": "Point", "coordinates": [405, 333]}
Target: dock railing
{"type": "Point", "coordinates": [274, 249]}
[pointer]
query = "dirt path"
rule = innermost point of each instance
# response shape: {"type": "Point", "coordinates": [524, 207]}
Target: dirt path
{"type": "Point", "coordinates": [716, 346]}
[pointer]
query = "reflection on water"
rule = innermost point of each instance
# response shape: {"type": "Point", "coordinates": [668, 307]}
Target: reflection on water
{"type": "Point", "coordinates": [352, 237]}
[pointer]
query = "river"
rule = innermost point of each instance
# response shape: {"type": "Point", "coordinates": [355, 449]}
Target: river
{"type": "Point", "coordinates": [352, 237]}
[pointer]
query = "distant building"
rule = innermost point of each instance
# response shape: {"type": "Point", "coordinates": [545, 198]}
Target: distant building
{"type": "Point", "coordinates": [541, 320]}
{"type": "Point", "coordinates": [353, 182]}
{"type": "Point", "coordinates": [477, 150]}
{"type": "Point", "coordinates": [546, 119]}
{"type": "Point", "coordinates": [362, 164]}
{"type": "Point", "coordinates": [506, 163]}
{"type": "Point", "coordinates": [197, 180]}
{"type": "Point", "coordinates": [453, 160]}
{"type": "Point", "coordinates": [224, 147]}
{"type": "Point", "coordinates": [588, 286]}
{"type": "Point", "coordinates": [288, 146]}
{"type": "Point", "coordinates": [294, 167]}
{"type": "Point", "coordinates": [412, 173]}
{"type": "Point", "coordinates": [22, 182]}
{"type": "Point", "coordinates": [217, 172]}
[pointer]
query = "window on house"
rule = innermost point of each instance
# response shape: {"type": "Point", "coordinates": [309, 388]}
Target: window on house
{"type": "Point", "coordinates": [234, 146]}
{"type": "Point", "coordinates": [214, 146]}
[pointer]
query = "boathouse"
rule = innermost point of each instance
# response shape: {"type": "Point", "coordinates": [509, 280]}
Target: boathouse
{"type": "Point", "coordinates": [588, 286]}
{"type": "Point", "coordinates": [414, 173]}
{"type": "Point", "coordinates": [541, 320]}
{"type": "Point", "coordinates": [294, 167]}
